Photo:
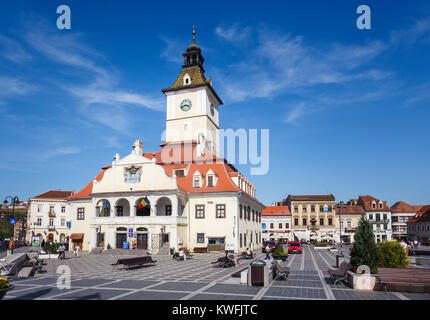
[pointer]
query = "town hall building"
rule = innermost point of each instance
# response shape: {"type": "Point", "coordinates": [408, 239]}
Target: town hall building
{"type": "Point", "coordinates": [183, 195]}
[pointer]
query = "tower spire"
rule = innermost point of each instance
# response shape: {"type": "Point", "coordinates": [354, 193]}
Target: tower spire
{"type": "Point", "coordinates": [194, 32]}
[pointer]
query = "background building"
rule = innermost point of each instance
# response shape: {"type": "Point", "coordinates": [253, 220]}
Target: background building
{"type": "Point", "coordinates": [48, 215]}
{"type": "Point", "coordinates": [276, 223]}
{"type": "Point", "coordinates": [313, 216]}
{"type": "Point", "coordinates": [401, 212]}
{"type": "Point", "coordinates": [419, 226]}
{"type": "Point", "coordinates": [348, 214]}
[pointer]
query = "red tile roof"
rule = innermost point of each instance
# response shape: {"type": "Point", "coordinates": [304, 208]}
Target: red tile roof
{"type": "Point", "coordinates": [423, 215]}
{"type": "Point", "coordinates": [366, 202]}
{"type": "Point", "coordinates": [349, 209]}
{"type": "Point", "coordinates": [276, 211]}
{"type": "Point", "coordinates": [54, 194]}
{"type": "Point", "coordinates": [325, 197]}
{"type": "Point", "coordinates": [400, 207]}
{"type": "Point", "coordinates": [85, 192]}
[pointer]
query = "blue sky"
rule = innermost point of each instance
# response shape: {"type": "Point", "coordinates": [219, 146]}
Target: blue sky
{"type": "Point", "coordinates": [347, 109]}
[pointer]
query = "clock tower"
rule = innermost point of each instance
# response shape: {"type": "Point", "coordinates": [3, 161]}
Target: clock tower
{"type": "Point", "coordinates": [192, 103]}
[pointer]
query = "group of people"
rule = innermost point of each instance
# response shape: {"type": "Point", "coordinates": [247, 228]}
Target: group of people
{"type": "Point", "coordinates": [408, 245]}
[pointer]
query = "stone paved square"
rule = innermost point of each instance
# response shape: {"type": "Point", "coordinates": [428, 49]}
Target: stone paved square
{"type": "Point", "coordinates": [93, 277]}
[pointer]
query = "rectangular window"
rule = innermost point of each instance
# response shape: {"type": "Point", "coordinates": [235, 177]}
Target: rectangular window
{"type": "Point", "coordinates": [51, 222]}
{"type": "Point", "coordinates": [330, 221]}
{"type": "Point", "coordinates": [296, 222]}
{"type": "Point", "coordinates": [200, 211]}
{"type": "Point", "coordinates": [39, 222]}
{"type": "Point", "coordinates": [120, 211]}
{"type": "Point", "coordinates": [180, 173]}
{"type": "Point", "coordinates": [168, 210]}
{"type": "Point", "coordinates": [304, 209]}
{"type": "Point", "coordinates": [63, 209]}
{"type": "Point", "coordinates": [210, 181]}
{"type": "Point", "coordinates": [378, 217]}
{"type": "Point", "coordinates": [312, 208]}
{"type": "Point", "coordinates": [39, 208]}
{"type": "Point", "coordinates": [348, 224]}
{"type": "Point", "coordinates": [240, 211]}
{"type": "Point", "coordinates": [220, 210]}
{"type": "Point", "coordinates": [51, 209]}
{"type": "Point", "coordinates": [200, 238]}
{"type": "Point", "coordinates": [240, 237]}
{"type": "Point", "coordinates": [305, 222]}
{"type": "Point", "coordinates": [287, 226]}
{"type": "Point", "coordinates": [370, 216]}
{"type": "Point", "coordinates": [63, 222]}
{"type": "Point", "coordinates": [395, 219]}
{"type": "Point", "coordinates": [244, 240]}
{"type": "Point", "coordinates": [81, 214]}
{"type": "Point", "coordinates": [385, 216]}
{"type": "Point", "coordinates": [196, 182]}
{"type": "Point", "coordinates": [296, 209]}
{"type": "Point", "coordinates": [271, 226]}
{"type": "Point", "coordinates": [321, 221]}
{"type": "Point", "coordinates": [280, 226]}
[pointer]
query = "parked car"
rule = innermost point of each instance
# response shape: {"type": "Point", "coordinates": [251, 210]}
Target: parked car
{"type": "Point", "coordinates": [273, 246]}
{"type": "Point", "coordinates": [294, 247]}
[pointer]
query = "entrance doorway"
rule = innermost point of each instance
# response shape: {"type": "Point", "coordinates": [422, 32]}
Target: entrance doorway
{"type": "Point", "coordinates": [120, 239]}
{"type": "Point", "coordinates": [142, 241]}
{"type": "Point", "coordinates": [100, 240]}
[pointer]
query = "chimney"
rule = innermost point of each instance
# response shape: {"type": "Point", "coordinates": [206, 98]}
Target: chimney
{"type": "Point", "coordinates": [138, 147]}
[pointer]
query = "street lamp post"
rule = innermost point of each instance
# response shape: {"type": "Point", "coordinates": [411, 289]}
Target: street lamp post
{"type": "Point", "coordinates": [13, 200]}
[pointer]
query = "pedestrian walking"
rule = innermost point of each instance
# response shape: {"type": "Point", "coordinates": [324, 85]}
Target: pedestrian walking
{"type": "Point", "coordinates": [11, 246]}
{"type": "Point", "coordinates": [62, 252]}
{"type": "Point", "coordinates": [77, 249]}
{"type": "Point", "coordinates": [267, 252]}
{"type": "Point", "coordinates": [415, 243]}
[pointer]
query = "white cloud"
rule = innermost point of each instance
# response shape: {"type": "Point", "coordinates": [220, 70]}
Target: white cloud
{"type": "Point", "coordinates": [172, 50]}
{"type": "Point", "coordinates": [13, 51]}
{"type": "Point", "coordinates": [14, 86]}
{"type": "Point", "coordinates": [235, 33]}
{"type": "Point", "coordinates": [62, 151]}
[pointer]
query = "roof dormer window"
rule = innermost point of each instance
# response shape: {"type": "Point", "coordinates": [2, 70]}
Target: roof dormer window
{"type": "Point", "coordinates": [373, 205]}
{"type": "Point", "coordinates": [211, 179]}
{"type": "Point", "coordinates": [380, 205]}
{"type": "Point", "coordinates": [187, 79]}
{"type": "Point", "coordinates": [197, 180]}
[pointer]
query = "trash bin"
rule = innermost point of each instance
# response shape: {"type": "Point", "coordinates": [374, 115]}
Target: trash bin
{"type": "Point", "coordinates": [339, 259]}
{"type": "Point", "coordinates": [257, 272]}
{"type": "Point", "coordinates": [172, 251]}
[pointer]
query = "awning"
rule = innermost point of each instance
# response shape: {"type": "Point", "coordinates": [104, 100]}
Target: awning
{"type": "Point", "coordinates": [77, 236]}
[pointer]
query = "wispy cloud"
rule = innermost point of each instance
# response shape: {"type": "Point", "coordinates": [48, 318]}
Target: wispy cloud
{"type": "Point", "coordinates": [172, 49]}
{"type": "Point", "coordinates": [13, 51]}
{"type": "Point", "coordinates": [235, 33]}
{"type": "Point", "coordinates": [63, 151]}
{"type": "Point", "coordinates": [14, 86]}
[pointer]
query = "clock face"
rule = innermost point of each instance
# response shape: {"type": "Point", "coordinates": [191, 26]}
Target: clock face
{"type": "Point", "coordinates": [186, 105]}
{"type": "Point", "coordinates": [212, 110]}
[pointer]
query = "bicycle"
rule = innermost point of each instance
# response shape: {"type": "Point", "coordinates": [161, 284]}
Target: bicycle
{"type": "Point", "coordinates": [9, 270]}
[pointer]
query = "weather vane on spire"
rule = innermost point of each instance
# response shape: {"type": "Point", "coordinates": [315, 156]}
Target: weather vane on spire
{"type": "Point", "coordinates": [194, 32]}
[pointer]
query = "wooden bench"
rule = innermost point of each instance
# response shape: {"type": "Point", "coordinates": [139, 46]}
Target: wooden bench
{"type": "Point", "coordinates": [410, 277]}
{"type": "Point", "coordinates": [200, 250]}
{"type": "Point", "coordinates": [280, 272]}
{"type": "Point", "coordinates": [135, 262]}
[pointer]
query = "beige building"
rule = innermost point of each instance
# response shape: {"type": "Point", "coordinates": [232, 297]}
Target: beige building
{"type": "Point", "coordinates": [183, 195]}
{"type": "Point", "coordinates": [313, 216]}
{"type": "Point", "coordinates": [276, 224]}
{"type": "Point", "coordinates": [349, 216]}
{"type": "Point", "coordinates": [48, 216]}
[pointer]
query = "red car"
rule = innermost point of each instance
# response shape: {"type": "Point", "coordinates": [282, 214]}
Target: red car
{"type": "Point", "coordinates": [294, 247]}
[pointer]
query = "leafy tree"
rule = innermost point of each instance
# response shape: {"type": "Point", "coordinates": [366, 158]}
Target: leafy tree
{"type": "Point", "coordinates": [392, 255]}
{"type": "Point", "coordinates": [364, 250]}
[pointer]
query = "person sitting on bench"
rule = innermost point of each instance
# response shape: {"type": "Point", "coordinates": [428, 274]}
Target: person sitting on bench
{"type": "Point", "coordinates": [231, 257]}
{"type": "Point", "coordinates": [249, 253]}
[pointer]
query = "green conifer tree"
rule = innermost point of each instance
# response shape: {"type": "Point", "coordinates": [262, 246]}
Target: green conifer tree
{"type": "Point", "coordinates": [364, 250]}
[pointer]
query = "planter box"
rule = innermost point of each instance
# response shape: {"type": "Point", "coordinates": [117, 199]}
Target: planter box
{"type": "Point", "coordinates": [367, 282]}
{"type": "Point", "coordinates": [4, 291]}
{"type": "Point", "coordinates": [277, 257]}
